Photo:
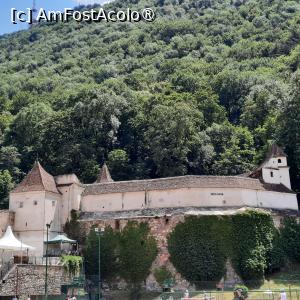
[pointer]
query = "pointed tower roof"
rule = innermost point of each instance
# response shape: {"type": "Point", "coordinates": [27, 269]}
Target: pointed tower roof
{"type": "Point", "coordinates": [37, 180]}
{"type": "Point", "coordinates": [104, 175]}
{"type": "Point", "coordinates": [274, 152]}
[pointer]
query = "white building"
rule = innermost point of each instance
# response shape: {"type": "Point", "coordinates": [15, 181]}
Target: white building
{"type": "Point", "coordinates": [41, 199]}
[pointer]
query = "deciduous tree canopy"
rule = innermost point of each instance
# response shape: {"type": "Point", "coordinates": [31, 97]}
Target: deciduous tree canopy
{"type": "Point", "coordinates": [201, 90]}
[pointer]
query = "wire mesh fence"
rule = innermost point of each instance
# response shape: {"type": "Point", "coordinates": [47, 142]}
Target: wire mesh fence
{"type": "Point", "coordinates": [275, 294]}
{"type": "Point", "coordinates": [87, 288]}
{"type": "Point", "coordinates": [181, 295]}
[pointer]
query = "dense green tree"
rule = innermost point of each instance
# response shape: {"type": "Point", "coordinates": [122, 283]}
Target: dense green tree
{"type": "Point", "coordinates": [276, 257]}
{"type": "Point", "coordinates": [288, 130]}
{"type": "Point", "coordinates": [253, 233]}
{"type": "Point", "coordinates": [118, 163]}
{"type": "Point", "coordinates": [27, 126]}
{"type": "Point", "coordinates": [290, 234]}
{"type": "Point", "coordinates": [173, 129]}
{"type": "Point", "coordinates": [6, 184]}
{"type": "Point", "coordinates": [197, 249]}
{"type": "Point", "coordinates": [73, 229]}
{"type": "Point", "coordinates": [137, 252]}
{"type": "Point", "coordinates": [74, 93]}
{"type": "Point", "coordinates": [235, 148]}
{"type": "Point", "coordinates": [10, 160]}
{"type": "Point", "coordinates": [108, 254]}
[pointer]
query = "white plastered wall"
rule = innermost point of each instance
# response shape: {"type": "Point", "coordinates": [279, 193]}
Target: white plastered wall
{"type": "Point", "coordinates": [271, 175]}
{"type": "Point", "coordinates": [199, 197]}
{"type": "Point", "coordinates": [37, 209]}
{"type": "Point", "coordinates": [284, 173]}
{"type": "Point", "coordinates": [71, 199]}
{"type": "Point", "coordinates": [205, 197]}
{"type": "Point", "coordinates": [277, 200]}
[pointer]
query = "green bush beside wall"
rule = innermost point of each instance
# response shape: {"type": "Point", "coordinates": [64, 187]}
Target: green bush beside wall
{"type": "Point", "coordinates": [200, 246]}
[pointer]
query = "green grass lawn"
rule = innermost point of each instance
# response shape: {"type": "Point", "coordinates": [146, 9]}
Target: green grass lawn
{"type": "Point", "coordinates": [288, 279]}
{"type": "Point", "coordinates": [284, 279]}
{"type": "Point", "coordinates": [122, 295]}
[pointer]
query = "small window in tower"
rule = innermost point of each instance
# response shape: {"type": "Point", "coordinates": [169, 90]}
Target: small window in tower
{"type": "Point", "coordinates": [279, 160]}
{"type": "Point", "coordinates": [53, 203]}
{"type": "Point", "coordinates": [35, 202]}
{"type": "Point", "coordinates": [272, 174]}
{"type": "Point", "coordinates": [21, 205]}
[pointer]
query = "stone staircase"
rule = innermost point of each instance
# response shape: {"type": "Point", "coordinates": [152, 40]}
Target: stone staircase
{"type": "Point", "coordinates": [5, 268]}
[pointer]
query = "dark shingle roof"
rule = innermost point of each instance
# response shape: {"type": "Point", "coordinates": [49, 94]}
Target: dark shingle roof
{"type": "Point", "coordinates": [189, 181]}
{"type": "Point", "coordinates": [276, 151]}
{"type": "Point", "coordinates": [37, 180]}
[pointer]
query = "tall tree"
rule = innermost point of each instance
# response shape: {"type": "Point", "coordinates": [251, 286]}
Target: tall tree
{"type": "Point", "coordinates": [288, 130]}
{"type": "Point", "coordinates": [108, 254]}
{"type": "Point", "coordinates": [137, 252]}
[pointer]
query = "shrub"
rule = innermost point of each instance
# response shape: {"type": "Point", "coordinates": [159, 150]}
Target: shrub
{"type": "Point", "coordinates": [161, 275]}
{"type": "Point", "coordinates": [276, 257]}
{"type": "Point", "coordinates": [72, 264]}
{"type": "Point", "coordinates": [290, 232]}
{"type": "Point", "coordinates": [240, 292]}
{"type": "Point", "coordinates": [197, 249]}
{"type": "Point", "coordinates": [252, 235]}
{"type": "Point", "coordinates": [137, 251]}
{"type": "Point", "coordinates": [72, 227]}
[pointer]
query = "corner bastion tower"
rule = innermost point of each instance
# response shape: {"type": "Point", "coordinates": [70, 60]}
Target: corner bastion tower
{"type": "Point", "coordinates": [41, 199]}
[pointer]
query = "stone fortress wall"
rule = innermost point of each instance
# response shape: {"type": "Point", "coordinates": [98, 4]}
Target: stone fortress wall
{"type": "Point", "coordinates": [161, 223]}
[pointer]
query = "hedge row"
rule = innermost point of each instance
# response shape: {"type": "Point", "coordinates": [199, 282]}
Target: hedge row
{"type": "Point", "coordinates": [200, 246]}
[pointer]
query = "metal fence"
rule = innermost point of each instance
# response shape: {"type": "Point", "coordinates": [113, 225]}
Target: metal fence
{"type": "Point", "coordinates": [52, 261]}
{"type": "Point", "coordinates": [86, 288]}
{"type": "Point", "coordinates": [289, 294]}
{"type": "Point", "coordinates": [195, 295]}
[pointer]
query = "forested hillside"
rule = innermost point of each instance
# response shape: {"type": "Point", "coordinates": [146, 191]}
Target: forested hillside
{"type": "Point", "coordinates": [204, 89]}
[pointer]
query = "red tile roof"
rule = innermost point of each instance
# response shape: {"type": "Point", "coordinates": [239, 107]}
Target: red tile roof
{"type": "Point", "coordinates": [37, 180]}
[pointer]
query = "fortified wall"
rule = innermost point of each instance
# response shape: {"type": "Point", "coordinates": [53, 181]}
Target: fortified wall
{"type": "Point", "coordinates": [161, 223]}
{"type": "Point", "coordinates": [41, 199]}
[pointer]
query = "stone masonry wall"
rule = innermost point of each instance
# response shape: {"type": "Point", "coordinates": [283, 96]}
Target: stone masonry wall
{"type": "Point", "coordinates": [160, 228]}
{"type": "Point", "coordinates": [24, 280]}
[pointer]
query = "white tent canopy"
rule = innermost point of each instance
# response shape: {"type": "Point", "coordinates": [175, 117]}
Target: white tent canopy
{"type": "Point", "coordinates": [61, 239]}
{"type": "Point", "coordinates": [10, 242]}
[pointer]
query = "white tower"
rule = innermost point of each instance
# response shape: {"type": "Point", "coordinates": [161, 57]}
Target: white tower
{"type": "Point", "coordinates": [35, 202]}
{"type": "Point", "coordinates": [274, 169]}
